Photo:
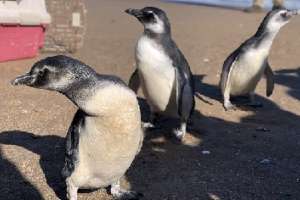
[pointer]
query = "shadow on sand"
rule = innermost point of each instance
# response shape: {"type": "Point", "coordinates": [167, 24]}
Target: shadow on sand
{"type": "Point", "coordinates": [13, 184]}
{"type": "Point", "coordinates": [257, 158]}
{"type": "Point", "coordinates": [289, 78]}
{"type": "Point", "coordinates": [51, 151]}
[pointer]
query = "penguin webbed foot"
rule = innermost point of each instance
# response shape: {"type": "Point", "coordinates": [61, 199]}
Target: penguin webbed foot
{"type": "Point", "coordinates": [129, 195]}
{"type": "Point", "coordinates": [229, 106]}
{"type": "Point", "coordinates": [242, 102]}
{"type": "Point", "coordinates": [71, 190]}
{"type": "Point", "coordinates": [153, 123]}
{"type": "Point", "coordinates": [148, 125]}
{"type": "Point", "coordinates": [253, 103]}
{"type": "Point", "coordinates": [180, 132]}
{"type": "Point", "coordinates": [121, 194]}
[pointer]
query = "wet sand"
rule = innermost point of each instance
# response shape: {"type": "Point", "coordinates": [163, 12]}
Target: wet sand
{"type": "Point", "coordinates": [254, 154]}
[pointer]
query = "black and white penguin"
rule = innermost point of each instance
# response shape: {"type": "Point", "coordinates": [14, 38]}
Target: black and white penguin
{"type": "Point", "coordinates": [162, 70]}
{"type": "Point", "coordinates": [243, 69]}
{"type": "Point", "coordinates": [106, 132]}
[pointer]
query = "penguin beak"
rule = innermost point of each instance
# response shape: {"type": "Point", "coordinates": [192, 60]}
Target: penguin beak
{"type": "Point", "coordinates": [134, 12]}
{"type": "Point", "coordinates": [288, 15]}
{"type": "Point", "coordinates": [291, 13]}
{"type": "Point", "coordinates": [25, 79]}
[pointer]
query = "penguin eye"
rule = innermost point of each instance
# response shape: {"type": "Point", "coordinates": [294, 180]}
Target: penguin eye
{"type": "Point", "coordinates": [150, 16]}
{"type": "Point", "coordinates": [42, 72]}
{"type": "Point", "coordinates": [284, 15]}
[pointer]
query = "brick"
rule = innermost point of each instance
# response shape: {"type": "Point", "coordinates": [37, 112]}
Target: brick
{"type": "Point", "coordinates": [61, 36]}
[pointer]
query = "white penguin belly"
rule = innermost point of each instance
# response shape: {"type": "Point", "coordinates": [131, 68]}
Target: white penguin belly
{"type": "Point", "coordinates": [246, 73]}
{"type": "Point", "coordinates": [156, 72]}
{"type": "Point", "coordinates": [99, 164]}
{"type": "Point", "coordinates": [109, 142]}
{"type": "Point", "coordinates": [157, 86]}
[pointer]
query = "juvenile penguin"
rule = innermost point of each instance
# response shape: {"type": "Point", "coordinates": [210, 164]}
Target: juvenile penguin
{"type": "Point", "coordinates": [243, 69]}
{"type": "Point", "coordinates": [105, 134]}
{"type": "Point", "coordinates": [162, 70]}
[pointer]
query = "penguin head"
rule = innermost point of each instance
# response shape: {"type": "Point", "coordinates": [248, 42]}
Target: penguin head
{"type": "Point", "coordinates": [154, 19]}
{"type": "Point", "coordinates": [277, 18]}
{"type": "Point", "coordinates": [54, 73]}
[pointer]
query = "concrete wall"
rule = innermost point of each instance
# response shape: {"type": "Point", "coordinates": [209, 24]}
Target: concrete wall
{"type": "Point", "coordinates": [67, 30]}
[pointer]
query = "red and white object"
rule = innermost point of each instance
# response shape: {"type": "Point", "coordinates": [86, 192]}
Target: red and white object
{"type": "Point", "coordinates": [22, 28]}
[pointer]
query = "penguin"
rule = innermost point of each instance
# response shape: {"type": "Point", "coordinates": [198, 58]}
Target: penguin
{"type": "Point", "coordinates": [106, 132]}
{"type": "Point", "coordinates": [243, 69]}
{"type": "Point", "coordinates": [162, 71]}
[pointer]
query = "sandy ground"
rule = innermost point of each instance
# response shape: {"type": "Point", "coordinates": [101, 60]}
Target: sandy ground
{"type": "Point", "coordinates": [254, 154]}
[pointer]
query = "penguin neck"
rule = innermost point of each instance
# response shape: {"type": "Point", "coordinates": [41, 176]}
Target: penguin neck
{"type": "Point", "coordinates": [158, 36]}
{"type": "Point", "coordinates": [79, 91]}
{"type": "Point", "coordinates": [265, 39]}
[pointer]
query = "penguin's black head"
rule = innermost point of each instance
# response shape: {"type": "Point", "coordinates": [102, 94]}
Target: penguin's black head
{"type": "Point", "coordinates": [54, 73]}
{"type": "Point", "coordinates": [154, 19]}
{"type": "Point", "coordinates": [277, 18]}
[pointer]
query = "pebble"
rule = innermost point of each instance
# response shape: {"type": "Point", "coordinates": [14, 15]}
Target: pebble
{"type": "Point", "coordinates": [262, 129]}
{"type": "Point", "coordinates": [205, 152]}
{"type": "Point", "coordinates": [265, 161]}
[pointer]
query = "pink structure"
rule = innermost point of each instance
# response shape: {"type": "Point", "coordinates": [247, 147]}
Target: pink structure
{"type": "Point", "coordinates": [22, 28]}
{"type": "Point", "coordinates": [20, 42]}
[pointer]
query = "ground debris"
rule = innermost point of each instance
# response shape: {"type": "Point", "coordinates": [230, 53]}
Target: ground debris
{"type": "Point", "coordinates": [262, 129]}
{"type": "Point", "coordinates": [265, 161]}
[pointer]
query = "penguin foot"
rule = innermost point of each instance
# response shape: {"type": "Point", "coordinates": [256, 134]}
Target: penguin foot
{"type": "Point", "coordinates": [179, 134]}
{"type": "Point", "coordinates": [128, 195]}
{"type": "Point", "coordinates": [147, 125]}
{"type": "Point", "coordinates": [229, 106]}
{"type": "Point", "coordinates": [71, 190]}
{"type": "Point", "coordinates": [121, 194]}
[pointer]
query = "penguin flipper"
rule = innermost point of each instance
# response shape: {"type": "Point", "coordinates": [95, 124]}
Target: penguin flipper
{"type": "Point", "coordinates": [184, 82]}
{"type": "Point", "coordinates": [134, 81]}
{"type": "Point", "coordinates": [72, 141]}
{"type": "Point", "coordinates": [270, 79]}
{"type": "Point", "coordinates": [185, 95]}
{"type": "Point", "coordinates": [227, 67]}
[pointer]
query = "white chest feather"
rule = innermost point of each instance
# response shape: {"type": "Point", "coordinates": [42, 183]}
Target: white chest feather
{"type": "Point", "coordinates": [109, 141]}
{"type": "Point", "coordinates": [247, 71]}
{"type": "Point", "coordinates": [156, 72]}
